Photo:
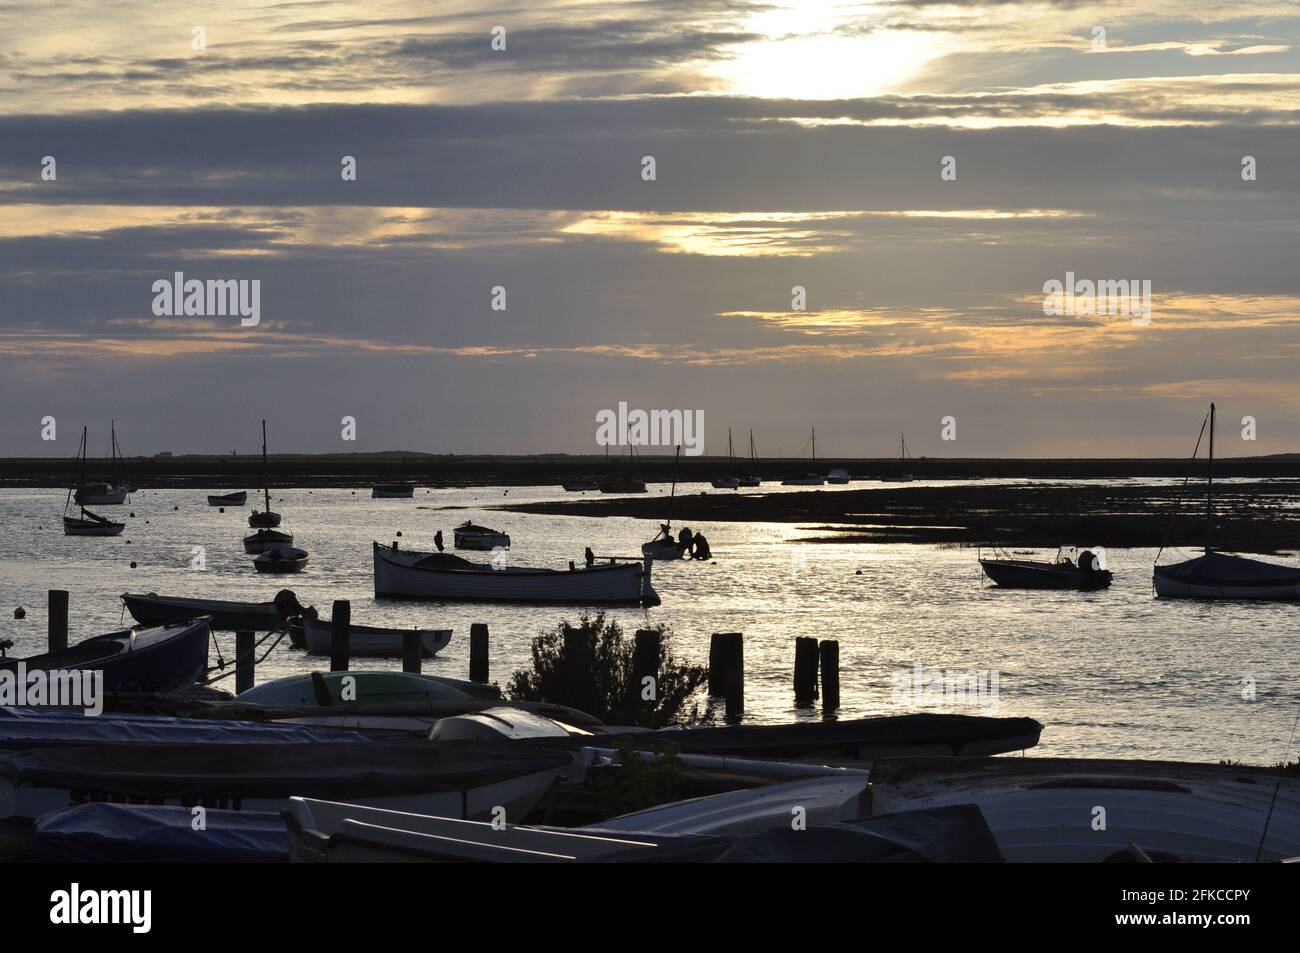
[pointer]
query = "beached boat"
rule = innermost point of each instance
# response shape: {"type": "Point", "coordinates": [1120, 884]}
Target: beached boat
{"type": "Point", "coordinates": [466, 780]}
{"type": "Point", "coordinates": [1217, 575]}
{"type": "Point", "coordinates": [363, 688]}
{"type": "Point", "coordinates": [228, 499]}
{"type": "Point", "coordinates": [371, 641]}
{"type": "Point", "coordinates": [409, 574]}
{"type": "Point", "coordinates": [838, 477]}
{"type": "Point", "coordinates": [264, 518]}
{"type": "Point", "coordinates": [1043, 809]}
{"type": "Point", "coordinates": [281, 559]}
{"type": "Point", "coordinates": [153, 609]}
{"type": "Point", "coordinates": [392, 491]}
{"type": "Point", "coordinates": [622, 485]}
{"type": "Point", "coordinates": [1086, 575]}
{"type": "Point", "coordinates": [138, 659]}
{"type": "Point", "coordinates": [111, 491]}
{"type": "Point", "coordinates": [468, 535]}
{"type": "Point", "coordinates": [579, 486]}
{"type": "Point", "coordinates": [903, 474]}
{"type": "Point", "coordinates": [87, 523]}
{"type": "Point", "coordinates": [265, 539]}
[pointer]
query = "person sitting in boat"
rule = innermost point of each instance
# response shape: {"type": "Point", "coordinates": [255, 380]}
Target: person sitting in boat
{"type": "Point", "coordinates": [700, 548]}
{"type": "Point", "coordinates": [590, 557]}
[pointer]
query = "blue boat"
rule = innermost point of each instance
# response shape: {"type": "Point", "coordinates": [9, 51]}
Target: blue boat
{"type": "Point", "coordinates": [160, 659]}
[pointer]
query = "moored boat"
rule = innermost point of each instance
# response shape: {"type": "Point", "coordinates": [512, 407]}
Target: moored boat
{"type": "Point", "coordinates": [622, 485]}
{"type": "Point", "coordinates": [281, 559]}
{"type": "Point", "coordinates": [153, 609]}
{"type": "Point", "coordinates": [264, 518]}
{"type": "Point", "coordinates": [1061, 573]}
{"type": "Point", "coordinates": [579, 486]}
{"type": "Point", "coordinates": [265, 539]}
{"type": "Point", "coordinates": [392, 491]}
{"type": "Point", "coordinates": [838, 477]}
{"type": "Point", "coordinates": [468, 535]}
{"type": "Point", "coordinates": [409, 574]}
{"type": "Point", "coordinates": [342, 690]}
{"type": "Point", "coordinates": [371, 641]}
{"type": "Point", "coordinates": [90, 524]}
{"type": "Point", "coordinates": [228, 499]}
{"type": "Point", "coordinates": [156, 659]}
{"type": "Point", "coordinates": [902, 474]}
{"type": "Point", "coordinates": [111, 491]}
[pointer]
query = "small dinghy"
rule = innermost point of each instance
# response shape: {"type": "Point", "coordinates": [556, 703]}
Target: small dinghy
{"type": "Point", "coordinates": [159, 659]}
{"type": "Point", "coordinates": [471, 536]}
{"type": "Point", "coordinates": [265, 519]}
{"type": "Point", "coordinates": [101, 494]}
{"type": "Point", "coordinates": [229, 499]}
{"type": "Point", "coordinates": [409, 574]}
{"type": "Point", "coordinates": [281, 559]}
{"type": "Point", "coordinates": [371, 641]}
{"type": "Point", "coordinates": [265, 539]}
{"type": "Point", "coordinates": [1087, 575]}
{"type": "Point", "coordinates": [838, 477]}
{"type": "Point", "coordinates": [622, 485]}
{"type": "Point", "coordinates": [153, 609]}
{"type": "Point", "coordinates": [466, 779]}
{"type": "Point", "coordinates": [89, 524]}
{"type": "Point", "coordinates": [579, 486]}
{"type": "Point", "coordinates": [392, 491]}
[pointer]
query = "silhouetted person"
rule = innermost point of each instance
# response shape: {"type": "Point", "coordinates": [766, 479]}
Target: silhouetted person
{"type": "Point", "coordinates": [701, 548]}
{"type": "Point", "coordinates": [591, 557]}
{"type": "Point", "coordinates": [437, 540]}
{"type": "Point", "coordinates": [684, 539]}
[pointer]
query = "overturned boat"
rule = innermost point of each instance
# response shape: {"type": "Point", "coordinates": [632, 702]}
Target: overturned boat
{"type": "Point", "coordinates": [409, 574]}
{"type": "Point", "coordinates": [1086, 575]}
{"type": "Point", "coordinates": [153, 609]}
{"type": "Point", "coordinates": [138, 660]}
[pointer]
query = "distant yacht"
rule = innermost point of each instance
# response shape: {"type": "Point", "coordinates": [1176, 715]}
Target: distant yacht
{"type": "Point", "coordinates": [1217, 575]}
{"type": "Point", "coordinates": [808, 479]}
{"type": "Point", "coordinates": [839, 476]}
{"type": "Point", "coordinates": [109, 491]}
{"type": "Point", "coordinates": [265, 518]}
{"type": "Point", "coordinates": [88, 523]}
{"type": "Point", "coordinates": [903, 475]}
{"type": "Point", "coordinates": [730, 482]}
{"type": "Point", "coordinates": [753, 462]}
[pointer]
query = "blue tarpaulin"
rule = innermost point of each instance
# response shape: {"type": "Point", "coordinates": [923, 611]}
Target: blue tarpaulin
{"type": "Point", "coordinates": [99, 833]}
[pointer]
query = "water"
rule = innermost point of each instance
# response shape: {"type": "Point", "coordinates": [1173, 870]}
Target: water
{"type": "Point", "coordinates": [1110, 674]}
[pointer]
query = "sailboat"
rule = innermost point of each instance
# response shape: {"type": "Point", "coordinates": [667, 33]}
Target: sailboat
{"type": "Point", "coordinates": [731, 482]}
{"type": "Point", "coordinates": [108, 492]}
{"type": "Point", "coordinates": [665, 545]}
{"type": "Point", "coordinates": [808, 479]}
{"type": "Point", "coordinates": [753, 460]}
{"type": "Point", "coordinates": [265, 518]}
{"type": "Point", "coordinates": [1217, 575]}
{"type": "Point", "coordinates": [623, 484]}
{"type": "Point", "coordinates": [902, 476]}
{"type": "Point", "coordinates": [88, 524]}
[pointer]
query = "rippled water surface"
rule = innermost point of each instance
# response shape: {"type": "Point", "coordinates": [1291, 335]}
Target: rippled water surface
{"type": "Point", "coordinates": [1114, 673]}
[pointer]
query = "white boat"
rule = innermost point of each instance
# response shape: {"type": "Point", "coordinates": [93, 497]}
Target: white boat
{"type": "Point", "coordinates": [1217, 575]}
{"type": "Point", "coordinates": [87, 523]}
{"type": "Point", "coordinates": [281, 559]}
{"type": "Point", "coordinates": [333, 832]}
{"type": "Point", "coordinates": [751, 481]}
{"type": "Point", "coordinates": [660, 548]}
{"type": "Point", "coordinates": [496, 724]}
{"type": "Point", "coordinates": [824, 800]}
{"type": "Point", "coordinates": [371, 641]}
{"type": "Point", "coordinates": [110, 492]}
{"type": "Point", "coordinates": [838, 477]}
{"type": "Point", "coordinates": [392, 491]}
{"type": "Point", "coordinates": [408, 574]}
{"type": "Point", "coordinates": [470, 536]}
{"type": "Point", "coordinates": [903, 475]}
{"type": "Point", "coordinates": [1045, 809]}
{"type": "Point", "coordinates": [265, 539]}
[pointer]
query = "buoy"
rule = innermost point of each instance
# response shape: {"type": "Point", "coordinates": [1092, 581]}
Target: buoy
{"type": "Point", "coordinates": [20, 613]}
{"type": "Point", "coordinates": [858, 573]}
{"type": "Point", "coordinates": [399, 532]}
{"type": "Point", "coordinates": [133, 515]}
{"type": "Point", "coordinates": [128, 542]}
{"type": "Point", "coordinates": [221, 509]}
{"type": "Point", "coordinates": [132, 565]}
{"type": "Point", "coordinates": [176, 507]}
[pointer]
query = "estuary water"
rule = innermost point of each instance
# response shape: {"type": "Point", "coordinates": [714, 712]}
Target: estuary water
{"type": "Point", "coordinates": [1115, 673]}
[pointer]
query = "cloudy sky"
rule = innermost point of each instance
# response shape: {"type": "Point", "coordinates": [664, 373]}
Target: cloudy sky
{"type": "Point", "coordinates": [794, 144]}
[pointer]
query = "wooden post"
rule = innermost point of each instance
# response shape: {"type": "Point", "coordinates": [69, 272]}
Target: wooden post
{"type": "Point", "coordinates": [830, 657]}
{"type": "Point", "coordinates": [244, 662]}
{"type": "Point", "coordinates": [645, 664]}
{"type": "Point", "coordinates": [734, 685]}
{"type": "Point", "coordinates": [805, 670]}
{"type": "Point", "coordinates": [57, 621]}
{"type": "Point", "coordinates": [342, 622]}
{"type": "Point", "coordinates": [577, 681]}
{"type": "Point", "coordinates": [412, 651]}
{"type": "Point", "coordinates": [718, 662]}
{"type": "Point", "coordinates": [478, 653]}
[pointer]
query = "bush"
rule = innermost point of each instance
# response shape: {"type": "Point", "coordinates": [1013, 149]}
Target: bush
{"type": "Point", "coordinates": [589, 666]}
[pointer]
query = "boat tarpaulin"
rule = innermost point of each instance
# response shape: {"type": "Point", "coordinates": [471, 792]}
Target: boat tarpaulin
{"type": "Point", "coordinates": [136, 833]}
{"type": "Point", "coordinates": [1224, 569]}
{"type": "Point", "coordinates": [953, 834]}
{"type": "Point", "coordinates": [22, 729]}
{"type": "Point", "coordinates": [330, 771]}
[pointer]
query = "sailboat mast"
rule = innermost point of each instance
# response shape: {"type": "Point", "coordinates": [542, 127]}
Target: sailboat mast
{"type": "Point", "coordinates": [1209, 494]}
{"type": "Point", "coordinates": [814, 443]}
{"type": "Point", "coordinates": [84, 453]}
{"type": "Point", "coordinates": [266, 473]}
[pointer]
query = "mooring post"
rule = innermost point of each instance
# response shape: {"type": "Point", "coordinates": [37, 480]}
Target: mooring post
{"type": "Point", "coordinates": [412, 650]}
{"type": "Point", "coordinates": [733, 688]}
{"type": "Point", "coordinates": [58, 620]}
{"type": "Point", "coordinates": [645, 665]}
{"type": "Point", "coordinates": [339, 648]}
{"type": "Point", "coordinates": [244, 662]}
{"type": "Point", "coordinates": [478, 653]}
{"type": "Point", "coordinates": [830, 658]}
{"type": "Point", "coordinates": [718, 647]}
{"type": "Point", "coordinates": [805, 670]}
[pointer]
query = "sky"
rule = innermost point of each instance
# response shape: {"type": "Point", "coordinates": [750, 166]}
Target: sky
{"type": "Point", "coordinates": [920, 169]}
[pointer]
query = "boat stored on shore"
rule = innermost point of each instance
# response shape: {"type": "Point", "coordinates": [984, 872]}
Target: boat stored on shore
{"type": "Point", "coordinates": [157, 659]}
{"type": "Point", "coordinates": [153, 609]}
{"type": "Point", "coordinates": [409, 574]}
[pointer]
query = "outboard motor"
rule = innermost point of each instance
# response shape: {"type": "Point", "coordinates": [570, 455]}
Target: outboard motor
{"type": "Point", "coordinates": [1088, 561]}
{"type": "Point", "coordinates": [286, 603]}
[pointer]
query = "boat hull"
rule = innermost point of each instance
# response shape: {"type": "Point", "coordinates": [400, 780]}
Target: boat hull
{"type": "Point", "coordinates": [78, 527]}
{"type": "Point", "coordinates": [394, 491]}
{"type": "Point", "coordinates": [230, 499]}
{"type": "Point", "coordinates": [1027, 574]}
{"type": "Point", "coordinates": [263, 520]}
{"type": "Point", "coordinates": [726, 483]}
{"type": "Point", "coordinates": [111, 496]}
{"type": "Point", "coordinates": [398, 575]}
{"type": "Point", "coordinates": [1224, 576]}
{"type": "Point", "coordinates": [281, 559]}
{"type": "Point", "coordinates": [370, 641]}
{"type": "Point", "coordinates": [482, 541]}
{"type": "Point", "coordinates": [265, 539]}
{"type": "Point", "coordinates": [225, 616]}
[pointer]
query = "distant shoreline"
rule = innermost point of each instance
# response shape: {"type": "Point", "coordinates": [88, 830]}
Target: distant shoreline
{"type": "Point", "coordinates": [223, 473]}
